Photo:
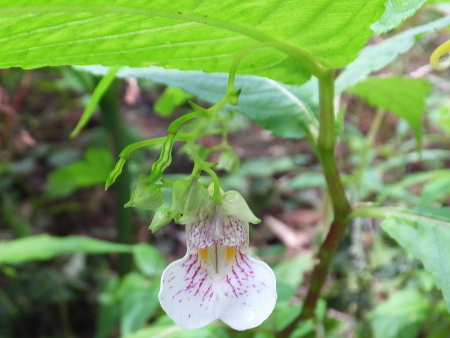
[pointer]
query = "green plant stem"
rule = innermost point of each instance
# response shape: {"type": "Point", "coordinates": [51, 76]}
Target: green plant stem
{"type": "Point", "coordinates": [110, 111]}
{"type": "Point", "coordinates": [341, 207]}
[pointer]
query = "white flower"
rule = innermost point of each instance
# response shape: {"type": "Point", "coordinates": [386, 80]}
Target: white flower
{"type": "Point", "coordinates": [217, 279]}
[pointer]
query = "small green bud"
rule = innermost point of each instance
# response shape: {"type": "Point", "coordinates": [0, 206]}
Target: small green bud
{"type": "Point", "coordinates": [145, 195]}
{"type": "Point", "coordinates": [161, 218]}
{"type": "Point", "coordinates": [189, 198]}
{"type": "Point", "coordinates": [115, 172]}
{"type": "Point", "coordinates": [233, 98]}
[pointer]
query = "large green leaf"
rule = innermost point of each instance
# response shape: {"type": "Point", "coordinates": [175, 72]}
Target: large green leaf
{"type": "Point", "coordinates": [285, 110]}
{"type": "Point", "coordinates": [190, 34]}
{"type": "Point", "coordinates": [41, 247]}
{"type": "Point", "coordinates": [375, 57]}
{"type": "Point", "coordinates": [425, 232]}
{"type": "Point", "coordinates": [402, 96]}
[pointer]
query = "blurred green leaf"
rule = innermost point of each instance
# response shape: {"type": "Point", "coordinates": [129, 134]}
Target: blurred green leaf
{"type": "Point", "coordinates": [444, 116]}
{"type": "Point", "coordinates": [108, 311]}
{"type": "Point", "coordinates": [283, 314]}
{"type": "Point", "coordinates": [396, 11]}
{"type": "Point", "coordinates": [400, 316]}
{"type": "Point", "coordinates": [305, 180]}
{"type": "Point", "coordinates": [398, 161]}
{"type": "Point", "coordinates": [375, 57]}
{"type": "Point", "coordinates": [100, 89]}
{"type": "Point", "coordinates": [305, 329]}
{"type": "Point", "coordinates": [138, 302]}
{"type": "Point", "coordinates": [267, 166]}
{"type": "Point", "coordinates": [165, 328]}
{"type": "Point", "coordinates": [401, 187]}
{"type": "Point", "coordinates": [289, 275]}
{"type": "Point", "coordinates": [12, 218]}
{"type": "Point", "coordinates": [91, 171]}
{"type": "Point", "coordinates": [171, 98]}
{"type": "Point", "coordinates": [287, 111]}
{"type": "Point", "coordinates": [190, 34]}
{"type": "Point", "coordinates": [425, 232]}
{"type": "Point", "coordinates": [41, 247]}
{"type": "Point", "coordinates": [148, 259]}
{"type": "Point", "coordinates": [437, 189]}
{"type": "Point", "coordinates": [402, 96]}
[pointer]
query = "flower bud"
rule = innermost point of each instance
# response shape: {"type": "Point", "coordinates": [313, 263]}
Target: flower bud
{"type": "Point", "coordinates": [161, 218]}
{"type": "Point", "coordinates": [188, 198]}
{"type": "Point", "coordinates": [145, 196]}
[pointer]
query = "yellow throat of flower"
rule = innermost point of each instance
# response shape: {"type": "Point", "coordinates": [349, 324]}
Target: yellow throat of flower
{"type": "Point", "coordinates": [217, 256]}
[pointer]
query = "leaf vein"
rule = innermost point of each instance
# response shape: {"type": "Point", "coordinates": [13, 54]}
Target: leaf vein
{"type": "Point", "coordinates": [189, 43]}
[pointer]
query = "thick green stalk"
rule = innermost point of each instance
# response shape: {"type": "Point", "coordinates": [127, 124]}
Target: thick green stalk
{"type": "Point", "coordinates": [341, 207]}
{"type": "Point", "coordinates": [110, 111]}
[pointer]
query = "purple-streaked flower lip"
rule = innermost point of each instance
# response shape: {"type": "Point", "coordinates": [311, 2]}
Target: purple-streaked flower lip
{"type": "Point", "coordinates": [217, 279]}
{"type": "Point", "coordinates": [241, 294]}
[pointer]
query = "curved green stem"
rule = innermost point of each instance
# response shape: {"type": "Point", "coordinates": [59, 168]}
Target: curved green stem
{"type": "Point", "coordinates": [175, 125]}
{"type": "Point", "coordinates": [125, 153]}
{"type": "Point", "coordinates": [217, 196]}
{"type": "Point", "coordinates": [199, 165]}
{"type": "Point", "coordinates": [341, 207]}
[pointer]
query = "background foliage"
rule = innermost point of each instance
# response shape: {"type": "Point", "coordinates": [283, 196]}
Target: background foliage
{"type": "Point", "coordinates": [59, 229]}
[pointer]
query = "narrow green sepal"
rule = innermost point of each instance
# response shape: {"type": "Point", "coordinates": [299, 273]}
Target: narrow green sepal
{"type": "Point", "coordinates": [161, 218]}
{"type": "Point", "coordinates": [115, 173]}
{"type": "Point", "coordinates": [235, 204]}
{"type": "Point", "coordinates": [197, 108]}
{"type": "Point", "coordinates": [145, 195]}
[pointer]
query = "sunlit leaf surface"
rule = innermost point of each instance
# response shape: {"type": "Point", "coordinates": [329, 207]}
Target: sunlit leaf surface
{"type": "Point", "coordinates": [191, 34]}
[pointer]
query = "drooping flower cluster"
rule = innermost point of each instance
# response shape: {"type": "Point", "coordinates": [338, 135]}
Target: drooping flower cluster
{"type": "Point", "coordinates": [217, 279]}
